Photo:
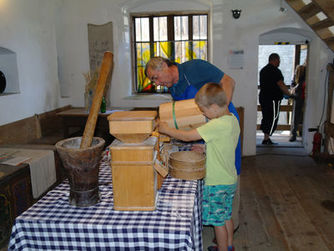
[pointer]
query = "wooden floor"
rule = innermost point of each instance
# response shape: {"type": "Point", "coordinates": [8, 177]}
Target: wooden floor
{"type": "Point", "coordinates": [287, 202]}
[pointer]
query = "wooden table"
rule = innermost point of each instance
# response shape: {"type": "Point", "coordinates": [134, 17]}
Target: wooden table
{"type": "Point", "coordinates": [74, 121]}
{"type": "Point", "coordinates": [41, 163]}
{"type": "Point", "coordinates": [15, 196]}
{"type": "Point", "coordinates": [53, 224]}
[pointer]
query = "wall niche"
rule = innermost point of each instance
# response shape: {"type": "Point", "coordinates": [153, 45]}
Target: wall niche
{"type": "Point", "coordinates": [9, 79]}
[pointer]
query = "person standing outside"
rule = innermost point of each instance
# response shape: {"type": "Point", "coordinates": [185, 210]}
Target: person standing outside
{"type": "Point", "coordinates": [272, 88]}
{"type": "Point", "coordinates": [183, 81]}
{"type": "Point", "coordinates": [298, 104]}
{"type": "Point", "coordinates": [221, 176]}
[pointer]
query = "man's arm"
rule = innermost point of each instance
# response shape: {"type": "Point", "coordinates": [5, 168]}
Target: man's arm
{"type": "Point", "coordinates": [228, 85]}
{"type": "Point", "coordinates": [179, 134]}
{"type": "Point", "coordinates": [284, 88]}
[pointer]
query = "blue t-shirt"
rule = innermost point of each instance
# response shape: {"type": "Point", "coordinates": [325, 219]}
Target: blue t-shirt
{"type": "Point", "coordinates": [193, 75]}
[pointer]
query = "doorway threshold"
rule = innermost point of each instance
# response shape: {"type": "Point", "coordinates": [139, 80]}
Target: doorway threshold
{"type": "Point", "coordinates": [283, 146]}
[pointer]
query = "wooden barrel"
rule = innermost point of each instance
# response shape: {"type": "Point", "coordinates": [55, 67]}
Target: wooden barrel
{"type": "Point", "coordinates": [187, 165]}
{"type": "Point", "coordinates": [183, 114]}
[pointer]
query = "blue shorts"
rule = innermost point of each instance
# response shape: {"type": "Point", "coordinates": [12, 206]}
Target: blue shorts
{"type": "Point", "coordinates": [217, 204]}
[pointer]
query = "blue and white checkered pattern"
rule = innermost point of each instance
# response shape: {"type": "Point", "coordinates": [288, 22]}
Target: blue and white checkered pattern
{"type": "Point", "coordinates": [53, 224]}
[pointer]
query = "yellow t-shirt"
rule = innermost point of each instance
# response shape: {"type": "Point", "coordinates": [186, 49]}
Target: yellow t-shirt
{"type": "Point", "coordinates": [221, 137]}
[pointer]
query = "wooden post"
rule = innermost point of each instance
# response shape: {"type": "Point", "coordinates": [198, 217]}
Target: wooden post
{"type": "Point", "coordinates": [328, 125]}
{"type": "Point", "coordinates": [96, 104]}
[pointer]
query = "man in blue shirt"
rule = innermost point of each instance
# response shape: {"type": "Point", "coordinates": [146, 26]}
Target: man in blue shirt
{"type": "Point", "coordinates": [183, 81]}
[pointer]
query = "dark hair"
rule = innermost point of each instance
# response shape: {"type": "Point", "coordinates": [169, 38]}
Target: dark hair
{"type": "Point", "coordinates": [273, 56]}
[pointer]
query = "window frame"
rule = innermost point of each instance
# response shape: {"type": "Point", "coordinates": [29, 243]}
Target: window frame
{"type": "Point", "coordinates": [170, 37]}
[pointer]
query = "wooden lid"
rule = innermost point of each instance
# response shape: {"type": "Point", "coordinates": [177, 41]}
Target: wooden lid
{"type": "Point", "coordinates": [132, 115]}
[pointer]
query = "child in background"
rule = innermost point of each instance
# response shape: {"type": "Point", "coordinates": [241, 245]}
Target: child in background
{"type": "Point", "coordinates": [221, 136]}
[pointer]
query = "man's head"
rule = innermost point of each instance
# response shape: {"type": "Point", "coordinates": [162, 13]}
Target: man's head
{"type": "Point", "coordinates": [211, 99]}
{"type": "Point", "coordinates": [159, 71]}
{"type": "Point", "coordinates": [274, 59]}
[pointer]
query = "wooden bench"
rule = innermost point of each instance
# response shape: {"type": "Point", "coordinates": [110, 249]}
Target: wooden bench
{"type": "Point", "coordinates": [41, 131]}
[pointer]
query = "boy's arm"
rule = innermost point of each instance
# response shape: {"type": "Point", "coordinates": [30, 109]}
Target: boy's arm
{"type": "Point", "coordinates": [179, 134]}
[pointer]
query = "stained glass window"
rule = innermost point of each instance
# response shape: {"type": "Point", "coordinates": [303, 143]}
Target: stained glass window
{"type": "Point", "coordinates": [177, 37]}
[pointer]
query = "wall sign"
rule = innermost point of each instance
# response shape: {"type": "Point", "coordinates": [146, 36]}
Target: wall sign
{"type": "Point", "coordinates": [100, 39]}
{"type": "Point", "coordinates": [236, 59]}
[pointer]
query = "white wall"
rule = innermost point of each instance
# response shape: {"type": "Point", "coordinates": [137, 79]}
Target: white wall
{"type": "Point", "coordinates": [39, 47]}
{"type": "Point", "coordinates": [26, 28]}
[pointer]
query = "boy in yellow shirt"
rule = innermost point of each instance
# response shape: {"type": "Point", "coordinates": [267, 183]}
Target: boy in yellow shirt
{"type": "Point", "coordinates": [221, 136]}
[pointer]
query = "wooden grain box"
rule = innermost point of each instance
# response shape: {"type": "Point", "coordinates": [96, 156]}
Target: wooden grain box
{"type": "Point", "coordinates": [132, 126]}
{"type": "Point", "coordinates": [183, 114]}
{"type": "Point", "coordinates": [133, 176]}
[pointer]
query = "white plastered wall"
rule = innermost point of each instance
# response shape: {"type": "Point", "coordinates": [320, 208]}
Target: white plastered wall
{"type": "Point", "coordinates": [50, 39]}
{"type": "Point", "coordinates": [27, 28]}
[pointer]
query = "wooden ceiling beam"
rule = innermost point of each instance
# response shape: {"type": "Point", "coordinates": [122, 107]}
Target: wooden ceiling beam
{"type": "Point", "coordinates": [309, 10]}
{"type": "Point", "coordinates": [329, 40]}
{"type": "Point", "coordinates": [327, 7]}
{"type": "Point", "coordinates": [330, 43]}
{"type": "Point", "coordinates": [324, 34]}
{"type": "Point", "coordinates": [296, 4]}
{"type": "Point", "coordinates": [322, 24]}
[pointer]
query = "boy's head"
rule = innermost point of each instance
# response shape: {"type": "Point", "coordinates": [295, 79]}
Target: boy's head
{"type": "Point", "coordinates": [211, 93]}
{"type": "Point", "coordinates": [211, 99]}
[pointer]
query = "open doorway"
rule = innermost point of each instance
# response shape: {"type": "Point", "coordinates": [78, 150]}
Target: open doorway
{"type": "Point", "coordinates": [291, 56]}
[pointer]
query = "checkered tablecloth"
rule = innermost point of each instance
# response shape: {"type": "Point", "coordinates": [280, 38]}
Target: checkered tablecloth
{"type": "Point", "coordinates": [53, 224]}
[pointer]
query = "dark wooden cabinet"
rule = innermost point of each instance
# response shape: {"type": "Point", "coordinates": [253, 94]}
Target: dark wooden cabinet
{"type": "Point", "coordinates": [15, 196]}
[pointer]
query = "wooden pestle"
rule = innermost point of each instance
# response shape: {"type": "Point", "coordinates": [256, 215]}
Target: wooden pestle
{"type": "Point", "coordinates": [88, 134]}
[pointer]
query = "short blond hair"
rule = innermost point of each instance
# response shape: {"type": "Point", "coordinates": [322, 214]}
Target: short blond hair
{"type": "Point", "coordinates": [209, 94]}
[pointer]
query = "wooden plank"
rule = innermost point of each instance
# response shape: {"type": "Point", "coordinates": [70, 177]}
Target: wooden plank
{"type": "Point", "coordinates": [299, 230]}
{"type": "Point", "coordinates": [322, 24]}
{"type": "Point", "coordinates": [330, 90]}
{"type": "Point", "coordinates": [313, 20]}
{"type": "Point", "coordinates": [327, 7]}
{"type": "Point", "coordinates": [309, 10]}
{"type": "Point", "coordinates": [296, 4]}
{"type": "Point", "coordinates": [132, 115]}
{"type": "Point", "coordinates": [308, 13]}
{"type": "Point", "coordinates": [259, 229]}
{"type": "Point", "coordinates": [312, 188]}
{"type": "Point", "coordinates": [278, 128]}
{"type": "Point", "coordinates": [331, 46]}
{"type": "Point", "coordinates": [283, 108]}
{"type": "Point", "coordinates": [329, 129]}
{"type": "Point", "coordinates": [330, 41]}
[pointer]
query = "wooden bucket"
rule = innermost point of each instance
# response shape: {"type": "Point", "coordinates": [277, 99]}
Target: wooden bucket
{"type": "Point", "coordinates": [187, 165]}
{"type": "Point", "coordinates": [183, 114]}
{"type": "Point", "coordinates": [82, 167]}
